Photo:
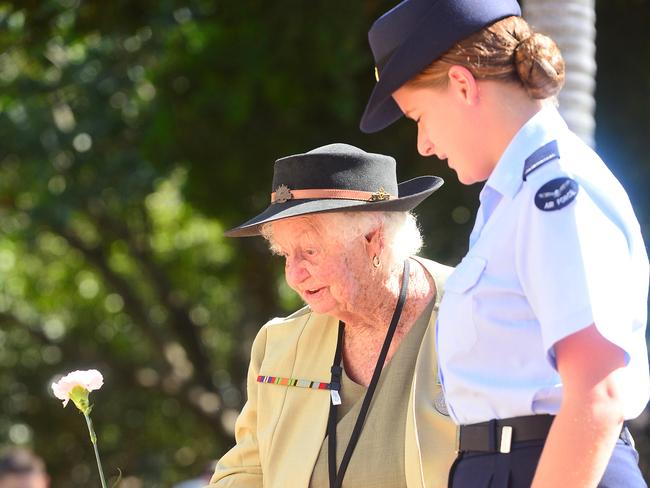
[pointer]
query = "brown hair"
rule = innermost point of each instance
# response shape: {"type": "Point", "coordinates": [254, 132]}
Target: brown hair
{"type": "Point", "coordinates": [507, 50]}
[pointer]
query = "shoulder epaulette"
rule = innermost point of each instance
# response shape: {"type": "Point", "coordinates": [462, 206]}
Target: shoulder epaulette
{"type": "Point", "coordinates": [546, 153]}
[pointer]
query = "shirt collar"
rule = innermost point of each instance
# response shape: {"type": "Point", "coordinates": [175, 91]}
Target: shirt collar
{"type": "Point", "coordinates": [507, 176]}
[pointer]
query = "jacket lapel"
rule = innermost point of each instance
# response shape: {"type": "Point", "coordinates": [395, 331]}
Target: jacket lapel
{"type": "Point", "coordinates": [430, 436]}
{"type": "Point", "coordinates": [295, 416]}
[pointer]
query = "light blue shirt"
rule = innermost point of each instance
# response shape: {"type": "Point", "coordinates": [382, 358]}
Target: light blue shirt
{"type": "Point", "coordinates": [537, 273]}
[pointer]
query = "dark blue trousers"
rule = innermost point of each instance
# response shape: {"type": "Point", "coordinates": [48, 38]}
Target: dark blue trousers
{"type": "Point", "coordinates": [517, 468]}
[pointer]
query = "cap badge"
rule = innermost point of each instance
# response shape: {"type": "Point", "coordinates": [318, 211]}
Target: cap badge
{"type": "Point", "coordinates": [376, 74]}
{"type": "Point", "coordinates": [379, 195]}
{"type": "Point", "coordinates": [282, 194]}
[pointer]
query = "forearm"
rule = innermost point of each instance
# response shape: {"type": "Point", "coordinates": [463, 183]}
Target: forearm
{"type": "Point", "coordinates": [590, 418]}
{"type": "Point", "coordinates": [579, 445]}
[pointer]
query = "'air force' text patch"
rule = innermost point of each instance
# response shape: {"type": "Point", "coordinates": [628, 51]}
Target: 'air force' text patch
{"type": "Point", "coordinates": [556, 194]}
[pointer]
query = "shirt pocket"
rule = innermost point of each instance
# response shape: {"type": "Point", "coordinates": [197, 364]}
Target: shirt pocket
{"type": "Point", "coordinates": [466, 274]}
{"type": "Point", "coordinates": [457, 308]}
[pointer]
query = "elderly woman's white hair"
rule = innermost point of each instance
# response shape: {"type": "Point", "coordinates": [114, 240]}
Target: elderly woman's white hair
{"type": "Point", "coordinates": [401, 235]}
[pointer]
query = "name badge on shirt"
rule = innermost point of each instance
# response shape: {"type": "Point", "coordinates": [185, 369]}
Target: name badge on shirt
{"type": "Point", "coordinates": [556, 194]}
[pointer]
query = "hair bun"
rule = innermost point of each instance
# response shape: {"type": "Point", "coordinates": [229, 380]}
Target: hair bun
{"type": "Point", "coordinates": [539, 65]}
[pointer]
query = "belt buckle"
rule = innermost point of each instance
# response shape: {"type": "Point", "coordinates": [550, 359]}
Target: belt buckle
{"type": "Point", "coordinates": [506, 439]}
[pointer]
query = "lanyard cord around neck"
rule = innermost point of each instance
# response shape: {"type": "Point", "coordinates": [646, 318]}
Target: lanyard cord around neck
{"type": "Point", "coordinates": [336, 479]}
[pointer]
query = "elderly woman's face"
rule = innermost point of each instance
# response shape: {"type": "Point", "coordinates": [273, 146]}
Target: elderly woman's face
{"type": "Point", "coordinates": [328, 274]}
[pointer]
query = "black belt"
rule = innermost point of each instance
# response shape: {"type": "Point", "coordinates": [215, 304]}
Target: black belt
{"type": "Point", "coordinates": [498, 435]}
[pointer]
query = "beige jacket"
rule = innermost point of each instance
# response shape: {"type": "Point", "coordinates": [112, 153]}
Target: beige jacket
{"type": "Point", "coordinates": [281, 428]}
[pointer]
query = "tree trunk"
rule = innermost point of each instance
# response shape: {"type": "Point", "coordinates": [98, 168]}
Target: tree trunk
{"type": "Point", "coordinates": [572, 24]}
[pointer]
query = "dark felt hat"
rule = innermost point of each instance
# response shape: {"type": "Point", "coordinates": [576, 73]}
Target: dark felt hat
{"type": "Point", "coordinates": [412, 35]}
{"type": "Point", "coordinates": [334, 178]}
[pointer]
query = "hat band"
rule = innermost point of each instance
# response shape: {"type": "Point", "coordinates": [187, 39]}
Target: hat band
{"type": "Point", "coordinates": [283, 194]}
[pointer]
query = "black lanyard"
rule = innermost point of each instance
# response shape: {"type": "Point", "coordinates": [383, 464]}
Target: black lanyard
{"type": "Point", "coordinates": [336, 479]}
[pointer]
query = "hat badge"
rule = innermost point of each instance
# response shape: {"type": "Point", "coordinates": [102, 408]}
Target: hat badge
{"type": "Point", "coordinates": [379, 196]}
{"type": "Point", "coordinates": [283, 194]}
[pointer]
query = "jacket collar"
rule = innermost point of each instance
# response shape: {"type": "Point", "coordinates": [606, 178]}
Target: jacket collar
{"type": "Point", "coordinates": [506, 177]}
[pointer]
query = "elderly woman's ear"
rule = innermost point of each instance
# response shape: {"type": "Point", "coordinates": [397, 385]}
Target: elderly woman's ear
{"type": "Point", "coordinates": [375, 241]}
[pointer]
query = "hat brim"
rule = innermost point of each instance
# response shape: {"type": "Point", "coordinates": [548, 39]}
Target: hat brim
{"type": "Point", "coordinates": [411, 194]}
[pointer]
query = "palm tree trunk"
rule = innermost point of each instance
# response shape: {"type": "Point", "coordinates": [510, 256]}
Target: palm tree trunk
{"type": "Point", "coordinates": [572, 24]}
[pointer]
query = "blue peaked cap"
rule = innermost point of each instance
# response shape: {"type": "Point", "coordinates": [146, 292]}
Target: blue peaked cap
{"type": "Point", "coordinates": [412, 35]}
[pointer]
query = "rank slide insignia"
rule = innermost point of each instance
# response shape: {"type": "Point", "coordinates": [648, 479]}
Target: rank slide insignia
{"type": "Point", "coordinates": [556, 194]}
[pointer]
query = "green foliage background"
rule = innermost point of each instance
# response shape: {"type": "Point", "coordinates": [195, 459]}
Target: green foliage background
{"type": "Point", "coordinates": [132, 134]}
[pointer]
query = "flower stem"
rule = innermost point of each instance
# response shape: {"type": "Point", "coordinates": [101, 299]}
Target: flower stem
{"type": "Point", "coordinates": [93, 439]}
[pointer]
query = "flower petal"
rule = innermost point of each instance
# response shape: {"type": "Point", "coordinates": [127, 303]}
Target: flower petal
{"type": "Point", "coordinates": [89, 380]}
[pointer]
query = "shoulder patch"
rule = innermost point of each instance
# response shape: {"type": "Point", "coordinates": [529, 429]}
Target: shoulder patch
{"type": "Point", "coordinates": [548, 152]}
{"type": "Point", "coordinates": [556, 194]}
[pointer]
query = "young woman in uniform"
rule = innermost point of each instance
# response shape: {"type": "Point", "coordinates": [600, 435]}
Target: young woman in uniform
{"type": "Point", "coordinates": [541, 333]}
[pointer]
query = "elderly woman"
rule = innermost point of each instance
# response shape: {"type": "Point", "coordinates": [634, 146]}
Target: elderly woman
{"type": "Point", "coordinates": [343, 391]}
